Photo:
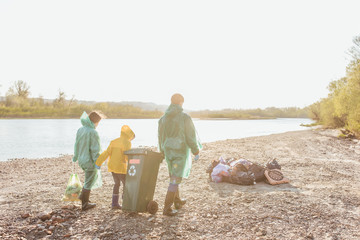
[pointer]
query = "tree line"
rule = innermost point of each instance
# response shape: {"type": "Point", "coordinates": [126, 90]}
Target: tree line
{"type": "Point", "coordinates": [341, 108]}
{"type": "Point", "coordinates": [17, 104]}
{"type": "Point", "coordinates": [267, 113]}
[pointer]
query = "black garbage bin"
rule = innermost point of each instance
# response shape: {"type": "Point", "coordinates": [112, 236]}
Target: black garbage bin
{"type": "Point", "coordinates": [141, 179]}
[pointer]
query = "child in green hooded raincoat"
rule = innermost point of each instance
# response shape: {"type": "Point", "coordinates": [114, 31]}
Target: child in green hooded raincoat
{"type": "Point", "coordinates": [177, 139]}
{"type": "Point", "coordinates": [86, 150]}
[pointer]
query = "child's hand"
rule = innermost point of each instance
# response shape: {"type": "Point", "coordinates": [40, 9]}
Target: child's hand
{"type": "Point", "coordinates": [97, 167]}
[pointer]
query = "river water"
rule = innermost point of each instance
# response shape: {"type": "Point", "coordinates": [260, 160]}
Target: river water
{"type": "Point", "coordinates": [37, 138]}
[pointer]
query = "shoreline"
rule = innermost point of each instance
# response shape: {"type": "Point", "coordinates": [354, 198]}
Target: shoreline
{"type": "Point", "coordinates": [152, 147]}
{"type": "Point", "coordinates": [323, 192]}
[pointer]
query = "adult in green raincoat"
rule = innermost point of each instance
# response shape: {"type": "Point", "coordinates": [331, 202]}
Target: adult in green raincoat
{"type": "Point", "coordinates": [86, 150]}
{"type": "Point", "coordinates": [177, 140]}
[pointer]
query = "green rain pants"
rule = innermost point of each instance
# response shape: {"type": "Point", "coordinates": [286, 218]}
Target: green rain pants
{"type": "Point", "coordinates": [92, 179]}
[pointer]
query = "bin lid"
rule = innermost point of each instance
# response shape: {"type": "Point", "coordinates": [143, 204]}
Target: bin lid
{"type": "Point", "coordinates": [140, 151]}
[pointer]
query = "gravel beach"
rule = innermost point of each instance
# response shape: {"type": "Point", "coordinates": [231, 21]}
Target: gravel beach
{"type": "Point", "coordinates": [322, 200]}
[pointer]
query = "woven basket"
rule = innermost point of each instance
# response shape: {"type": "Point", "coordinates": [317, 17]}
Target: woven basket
{"type": "Point", "coordinates": [275, 176]}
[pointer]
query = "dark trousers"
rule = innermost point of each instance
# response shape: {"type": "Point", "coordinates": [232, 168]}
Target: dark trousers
{"type": "Point", "coordinates": [117, 178]}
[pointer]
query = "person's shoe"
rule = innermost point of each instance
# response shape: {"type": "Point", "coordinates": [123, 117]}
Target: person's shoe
{"type": "Point", "coordinates": [178, 202]}
{"type": "Point", "coordinates": [169, 200]}
{"type": "Point", "coordinates": [85, 204]}
{"type": "Point", "coordinates": [115, 202]}
{"type": "Point", "coordinates": [170, 212]}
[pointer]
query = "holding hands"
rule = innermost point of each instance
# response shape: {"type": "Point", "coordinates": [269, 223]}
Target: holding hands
{"type": "Point", "coordinates": [197, 156]}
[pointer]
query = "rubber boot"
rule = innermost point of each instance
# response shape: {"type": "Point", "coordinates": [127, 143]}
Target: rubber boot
{"type": "Point", "coordinates": [85, 204]}
{"type": "Point", "coordinates": [81, 195]}
{"type": "Point", "coordinates": [115, 202]}
{"type": "Point", "coordinates": [169, 200]}
{"type": "Point", "coordinates": [178, 202]}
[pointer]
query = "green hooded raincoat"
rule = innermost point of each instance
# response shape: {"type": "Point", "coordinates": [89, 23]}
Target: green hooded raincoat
{"type": "Point", "coordinates": [177, 138]}
{"type": "Point", "coordinates": [86, 150]}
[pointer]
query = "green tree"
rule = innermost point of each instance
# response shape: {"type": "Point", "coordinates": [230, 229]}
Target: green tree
{"type": "Point", "coordinates": [354, 51]}
{"type": "Point", "coordinates": [20, 89]}
{"type": "Point", "coordinates": [60, 100]}
{"type": "Point", "coordinates": [342, 106]}
{"type": "Point", "coordinates": [352, 99]}
{"type": "Point", "coordinates": [314, 111]}
{"type": "Point", "coordinates": [18, 94]}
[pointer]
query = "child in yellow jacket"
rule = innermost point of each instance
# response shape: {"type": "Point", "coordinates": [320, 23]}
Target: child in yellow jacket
{"type": "Point", "coordinates": [118, 161]}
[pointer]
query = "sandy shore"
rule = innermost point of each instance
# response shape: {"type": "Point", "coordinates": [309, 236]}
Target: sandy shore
{"type": "Point", "coordinates": [322, 200]}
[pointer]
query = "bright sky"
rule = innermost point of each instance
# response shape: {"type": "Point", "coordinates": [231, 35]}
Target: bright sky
{"type": "Point", "coordinates": [218, 54]}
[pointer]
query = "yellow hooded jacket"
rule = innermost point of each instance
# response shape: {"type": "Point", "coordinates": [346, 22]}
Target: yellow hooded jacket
{"type": "Point", "coordinates": [118, 160]}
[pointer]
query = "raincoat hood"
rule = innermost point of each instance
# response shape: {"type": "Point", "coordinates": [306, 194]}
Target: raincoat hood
{"type": "Point", "coordinates": [127, 132]}
{"type": "Point", "coordinates": [85, 120]}
{"type": "Point", "coordinates": [173, 110]}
